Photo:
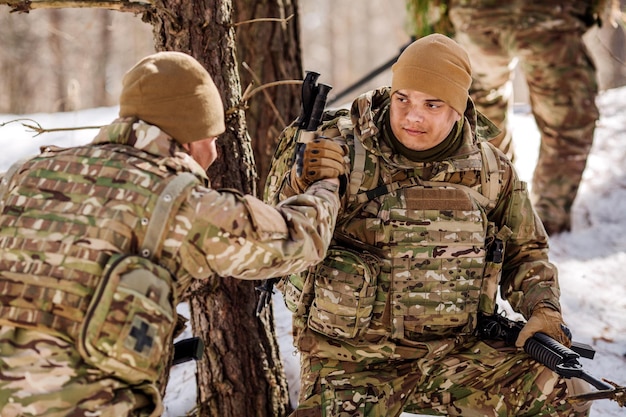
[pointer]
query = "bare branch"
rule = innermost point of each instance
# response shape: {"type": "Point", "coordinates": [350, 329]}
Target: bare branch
{"type": "Point", "coordinates": [618, 394]}
{"type": "Point", "coordinates": [36, 127]}
{"type": "Point", "coordinates": [265, 19]}
{"type": "Point", "coordinates": [25, 6]}
{"type": "Point", "coordinates": [247, 94]}
{"type": "Point", "coordinates": [267, 85]}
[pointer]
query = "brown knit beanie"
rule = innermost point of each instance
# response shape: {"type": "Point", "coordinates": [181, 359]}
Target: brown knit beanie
{"type": "Point", "coordinates": [173, 91]}
{"type": "Point", "coordinates": [435, 65]}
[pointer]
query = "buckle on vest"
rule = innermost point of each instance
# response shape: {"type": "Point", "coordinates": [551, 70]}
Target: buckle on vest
{"type": "Point", "coordinates": [496, 251]}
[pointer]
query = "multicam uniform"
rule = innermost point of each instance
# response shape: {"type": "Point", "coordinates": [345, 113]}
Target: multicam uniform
{"type": "Point", "coordinates": [67, 213]}
{"type": "Point", "coordinates": [546, 37]}
{"type": "Point", "coordinates": [385, 323]}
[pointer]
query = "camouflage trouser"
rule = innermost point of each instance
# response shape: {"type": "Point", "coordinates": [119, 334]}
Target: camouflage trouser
{"type": "Point", "coordinates": [42, 375]}
{"type": "Point", "coordinates": [562, 85]}
{"type": "Point", "coordinates": [482, 381]}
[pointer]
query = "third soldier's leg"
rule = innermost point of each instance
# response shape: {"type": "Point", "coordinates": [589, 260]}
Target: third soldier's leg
{"type": "Point", "coordinates": [562, 86]}
{"type": "Point", "coordinates": [492, 86]}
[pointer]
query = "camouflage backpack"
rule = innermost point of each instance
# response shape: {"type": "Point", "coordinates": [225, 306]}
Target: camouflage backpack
{"type": "Point", "coordinates": [129, 322]}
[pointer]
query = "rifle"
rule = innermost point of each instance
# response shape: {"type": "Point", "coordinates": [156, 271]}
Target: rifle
{"type": "Point", "coordinates": [187, 349]}
{"type": "Point", "coordinates": [374, 73]}
{"type": "Point", "coordinates": [549, 352]}
{"type": "Point", "coordinates": [314, 98]}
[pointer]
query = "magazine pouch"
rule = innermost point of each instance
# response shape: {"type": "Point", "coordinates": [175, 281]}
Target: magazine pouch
{"type": "Point", "coordinates": [128, 319]}
{"type": "Point", "coordinates": [345, 290]}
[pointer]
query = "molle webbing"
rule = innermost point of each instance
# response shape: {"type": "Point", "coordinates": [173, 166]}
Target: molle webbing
{"type": "Point", "coordinates": [357, 176]}
{"type": "Point", "coordinates": [435, 261]}
{"type": "Point", "coordinates": [41, 307]}
{"type": "Point", "coordinates": [52, 263]}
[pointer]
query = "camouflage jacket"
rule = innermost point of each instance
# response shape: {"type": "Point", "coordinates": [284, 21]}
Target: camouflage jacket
{"type": "Point", "coordinates": [391, 228]}
{"type": "Point", "coordinates": [67, 212]}
{"type": "Point", "coordinates": [538, 15]}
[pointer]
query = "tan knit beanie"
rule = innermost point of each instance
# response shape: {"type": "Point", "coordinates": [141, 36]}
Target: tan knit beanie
{"type": "Point", "coordinates": [173, 91]}
{"type": "Point", "coordinates": [435, 65]}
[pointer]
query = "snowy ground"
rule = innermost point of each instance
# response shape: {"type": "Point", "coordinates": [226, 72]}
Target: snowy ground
{"type": "Point", "coordinates": [591, 258]}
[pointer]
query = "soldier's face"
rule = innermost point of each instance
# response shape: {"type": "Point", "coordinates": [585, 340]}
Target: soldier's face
{"type": "Point", "coordinates": [420, 121]}
{"type": "Point", "coordinates": [203, 151]}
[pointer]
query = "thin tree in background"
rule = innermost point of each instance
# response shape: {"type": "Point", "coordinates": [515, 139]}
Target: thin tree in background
{"type": "Point", "coordinates": [56, 47]}
{"type": "Point", "coordinates": [103, 56]}
{"type": "Point", "coordinates": [19, 49]}
{"type": "Point", "coordinates": [268, 50]}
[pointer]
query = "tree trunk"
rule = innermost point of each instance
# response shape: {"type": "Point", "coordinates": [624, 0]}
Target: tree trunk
{"type": "Point", "coordinates": [20, 48]}
{"type": "Point", "coordinates": [268, 51]}
{"type": "Point", "coordinates": [240, 373]}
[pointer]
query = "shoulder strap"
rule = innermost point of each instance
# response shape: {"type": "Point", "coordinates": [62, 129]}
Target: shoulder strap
{"type": "Point", "coordinates": [491, 180]}
{"type": "Point", "coordinates": [8, 176]}
{"type": "Point", "coordinates": [162, 209]}
{"type": "Point", "coordinates": [357, 176]}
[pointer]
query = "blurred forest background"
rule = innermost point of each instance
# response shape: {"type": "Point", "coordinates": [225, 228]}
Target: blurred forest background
{"type": "Point", "coordinates": [71, 59]}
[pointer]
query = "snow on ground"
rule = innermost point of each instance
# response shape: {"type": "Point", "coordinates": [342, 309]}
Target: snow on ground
{"type": "Point", "coordinates": [591, 258]}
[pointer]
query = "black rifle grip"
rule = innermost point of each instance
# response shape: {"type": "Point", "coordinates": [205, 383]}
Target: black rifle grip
{"type": "Point", "coordinates": [318, 107]}
{"type": "Point", "coordinates": [309, 95]}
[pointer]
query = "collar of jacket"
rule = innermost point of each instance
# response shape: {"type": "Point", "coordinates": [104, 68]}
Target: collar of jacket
{"type": "Point", "coordinates": [365, 115]}
{"type": "Point", "coordinates": [138, 134]}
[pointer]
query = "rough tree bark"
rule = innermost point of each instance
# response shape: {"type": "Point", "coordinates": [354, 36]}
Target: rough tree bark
{"type": "Point", "coordinates": [268, 51]}
{"type": "Point", "coordinates": [241, 373]}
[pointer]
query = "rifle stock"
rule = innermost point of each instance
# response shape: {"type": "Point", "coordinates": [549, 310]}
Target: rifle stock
{"type": "Point", "coordinates": [187, 350]}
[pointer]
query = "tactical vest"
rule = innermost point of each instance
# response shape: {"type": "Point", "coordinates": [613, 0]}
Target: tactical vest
{"type": "Point", "coordinates": [70, 218]}
{"type": "Point", "coordinates": [426, 259]}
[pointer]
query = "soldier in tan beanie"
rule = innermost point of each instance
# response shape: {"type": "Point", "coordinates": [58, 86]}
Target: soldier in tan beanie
{"type": "Point", "coordinates": [99, 243]}
{"type": "Point", "coordinates": [435, 222]}
{"type": "Point", "coordinates": [173, 91]}
{"type": "Point", "coordinates": [435, 65]}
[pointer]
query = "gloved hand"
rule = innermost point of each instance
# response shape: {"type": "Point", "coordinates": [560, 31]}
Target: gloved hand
{"type": "Point", "coordinates": [317, 160]}
{"type": "Point", "coordinates": [548, 321]}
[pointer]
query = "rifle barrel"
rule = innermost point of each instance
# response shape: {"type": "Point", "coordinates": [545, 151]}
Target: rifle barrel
{"type": "Point", "coordinates": [601, 385]}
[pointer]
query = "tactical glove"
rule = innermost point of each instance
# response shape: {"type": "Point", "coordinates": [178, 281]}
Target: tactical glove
{"type": "Point", "coordinates": [548, 321]}
{"type": "Point", "coordinates": [318, 160]}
